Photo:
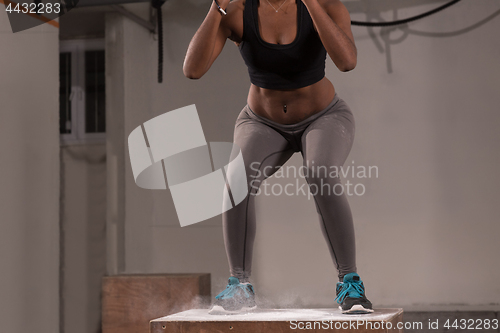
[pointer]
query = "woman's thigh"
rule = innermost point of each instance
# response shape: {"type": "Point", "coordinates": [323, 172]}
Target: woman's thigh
{"type": "Point", "coordinates": [328, 140]}
{"type": "Point", "coordinates": [264, 150]}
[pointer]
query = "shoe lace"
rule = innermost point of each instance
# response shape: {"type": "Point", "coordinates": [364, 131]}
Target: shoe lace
{"type": "Point", "coordinates": [349, 289]}
{"type": "Point", "coordinates": [231, 289]}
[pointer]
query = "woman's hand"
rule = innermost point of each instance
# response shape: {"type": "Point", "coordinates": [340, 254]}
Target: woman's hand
{"type": "Point", "coordinates": [223, 3]}
{"type": "Point", "coordinates": [333, 24]}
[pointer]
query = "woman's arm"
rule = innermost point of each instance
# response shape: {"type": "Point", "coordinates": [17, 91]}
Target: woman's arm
{"type": "Point", "coordinates": [207, 42]}
{"type": "Point", "coordinates": [333, 23]}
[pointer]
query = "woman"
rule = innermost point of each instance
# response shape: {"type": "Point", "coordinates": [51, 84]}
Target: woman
{"type": "Point", "coordinates": [292, 107]}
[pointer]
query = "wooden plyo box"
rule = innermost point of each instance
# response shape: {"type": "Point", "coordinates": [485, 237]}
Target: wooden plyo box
{"type": "Point", "coordinates": [129, 302]}
{"type": "Point", "coordinates": [280, 321]}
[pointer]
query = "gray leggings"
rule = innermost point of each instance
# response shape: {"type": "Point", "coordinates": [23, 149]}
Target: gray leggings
{"type": "Point", "coordinates": [324, 139]}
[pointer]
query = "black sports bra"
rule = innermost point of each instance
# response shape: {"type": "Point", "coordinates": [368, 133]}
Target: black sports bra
{"type": "Point", "coordinates": [282, 66]}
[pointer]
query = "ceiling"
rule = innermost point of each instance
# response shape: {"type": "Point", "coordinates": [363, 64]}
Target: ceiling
{"type": "Point", "coordinates": [86, 3]}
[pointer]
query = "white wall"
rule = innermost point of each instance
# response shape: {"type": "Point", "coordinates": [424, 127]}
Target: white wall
{"type": "Point", "coordinates": [426, 110]}
{"type": "Point", "coordinates": [29, 190]}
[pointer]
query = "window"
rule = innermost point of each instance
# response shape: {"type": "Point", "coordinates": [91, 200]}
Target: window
{"type": "Point", "coordinates": [82, 92]}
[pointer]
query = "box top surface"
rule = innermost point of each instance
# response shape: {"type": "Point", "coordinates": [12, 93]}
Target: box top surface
{"type": "Point", "coordinates": [201, 315]}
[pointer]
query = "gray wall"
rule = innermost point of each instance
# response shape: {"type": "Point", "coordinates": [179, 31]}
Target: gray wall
{"type": "Point", "coordinates": [425, 100]}
{"type": "Point", "coordinates": [29, 191]}
{"type": "Point", "coordinates": [83, 208]}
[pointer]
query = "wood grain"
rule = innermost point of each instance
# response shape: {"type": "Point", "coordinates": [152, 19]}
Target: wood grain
{"type": "Point", "coordinates": [129, 302]}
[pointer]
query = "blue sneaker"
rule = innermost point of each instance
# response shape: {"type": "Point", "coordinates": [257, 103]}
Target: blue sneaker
{"type": "Point", "coordinates": [236, 298]}
{"type": "Point", "coordinates": [351, 295]}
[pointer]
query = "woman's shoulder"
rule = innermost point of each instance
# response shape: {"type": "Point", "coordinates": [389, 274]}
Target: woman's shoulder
{"type": "Point", "coordinates": [331, 4]}
{"type": "Point", "coordinates": [336, 10]}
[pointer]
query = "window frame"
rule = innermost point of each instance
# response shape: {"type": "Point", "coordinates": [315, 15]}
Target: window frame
{"type": "Point", "coordinates": [77, 48]}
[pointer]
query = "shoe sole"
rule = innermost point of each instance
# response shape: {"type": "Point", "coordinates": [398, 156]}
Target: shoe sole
{"type": "Point", "coordinates": [356, 309]}
{"type": "Point", "coordinates": [219, 310]}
